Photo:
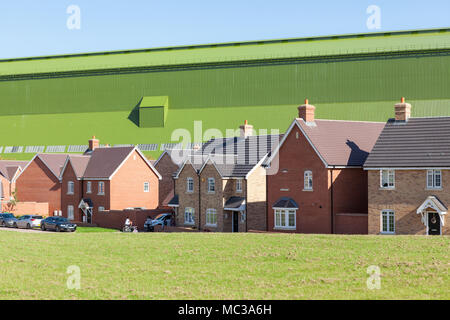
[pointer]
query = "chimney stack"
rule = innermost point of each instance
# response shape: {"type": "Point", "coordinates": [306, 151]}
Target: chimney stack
{"type": "Point", "coordinates": [402, 111]}
{"type": "Point", "coordinates": [246, 130]}
{"type": "Point", "coordinates": [306, 112]}
{"type": "Point", "coordinates": [94, 143]}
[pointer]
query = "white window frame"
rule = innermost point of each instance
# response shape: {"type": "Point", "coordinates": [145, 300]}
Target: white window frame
{"type": "Point", "coordinates": [308, 180]}
{"type": "Point", "coordinates": [146, 187]}
{"type": "Point", "coordinates": [390, 174]}
{"type": "Point", "coordinates": [101, 209]}
{"type": "Point", "coordinates": [70, 187]}
{"type": "Point", "coordinates": [89, 187]}
{"type": "Point", "coordinates": [432, 174]}
{"type": "Point", "coordinates": [239, 183]}
{"type": "Point", "coordinates": [211, 182]}
{"type": "Point", "coordinates": [189, 216]}
{"type": "Point", "coordinates": [101, 190]}
{"type": "Point", "coordinates": [70, 213]}
{"type": "Point", "coordinates": [188, 181]}
{"type": "Point", "coordinates": [284, 213]}
{"type": "Point", "coordinates": [211, 217]}
{"type": "Point", "coordinates": [388, 213]}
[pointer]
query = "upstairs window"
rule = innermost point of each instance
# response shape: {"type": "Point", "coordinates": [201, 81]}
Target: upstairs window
{"type": "Point", "coordinates": [211, 185]}
{"type": "Point", "coordinates": [308, 180]}
{"type": "Point", "coordinates": [190, 185]}
{"type": "Point", "coordinates": [89, 187]}
{"type": "Point", "coordinates": [434, 179]}
{"type": "Point", "coordinates": [146, 187]}
{"type": "Point", "coordinates": [239, 185]}
{"type": "Point", "coordinates": [101, 188]}
{"type": "Point", "coordinates": [70, 187]}
{"type": "Point", "coordinates": [387, 179]}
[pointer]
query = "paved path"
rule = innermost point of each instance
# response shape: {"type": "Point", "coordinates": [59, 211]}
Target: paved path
{"type": "Point", "coordinates": [22, 230]}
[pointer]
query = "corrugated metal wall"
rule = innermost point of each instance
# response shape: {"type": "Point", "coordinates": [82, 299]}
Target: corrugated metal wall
{"type": "Point", "coordinates": [375, 79]}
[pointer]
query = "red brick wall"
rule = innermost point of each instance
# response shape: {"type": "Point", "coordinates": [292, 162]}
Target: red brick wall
{"type": "Point", "coordinates": [351, 223]}
{"type": "Point", "coordinates": [24, 208]}
{"type": "Point", "coordinates": [127, 185]}
{"type": "Point", "coordinates": [115, 219]}
{"type": "Point", "coordinates": [350, 190]}
{"type": "Point", "coordinates": [296, 156]}
{"type": "Point", "coordinates": [74, 200]}
{"type": "Point", "coordinates": [166, 168]}
{"type": "Point", "coordinates": [98, 200]}
{"type": "Point", "coordinates": [38, 184]}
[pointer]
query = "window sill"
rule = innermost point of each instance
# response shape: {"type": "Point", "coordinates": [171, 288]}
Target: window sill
{"type": "Point", "coordinates": [285, 228]}
{"type": "Point", "coordinates": [189, 192]}
{"type": "Point", "coordinates": [389, 189]}
{"type": "Point", "coordinates": [387, 233]}
{"type": "Point", "coordinates": [211, 225]}
{"type": "Point", "coordinates": [308, 190]}
{"type": "Point", "coordinates": [211, 192]}
{"type": "Point", "coordinates": [190, 224]}
{"type": "Point", "coordinates": [433, 189]}
{"type": "Point", "coordinates": [70, 194]}
{"type": "Point", "coordinates": [100, 194]}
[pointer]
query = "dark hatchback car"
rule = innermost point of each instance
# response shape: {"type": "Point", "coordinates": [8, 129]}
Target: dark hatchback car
{"type": "Point", "coordinates": [58, 224]}
{"type": "Point", "coordinates": [7, 220]}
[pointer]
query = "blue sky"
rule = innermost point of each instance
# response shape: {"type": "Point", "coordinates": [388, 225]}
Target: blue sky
{"type": "Point", "coordinates": [39, 27]}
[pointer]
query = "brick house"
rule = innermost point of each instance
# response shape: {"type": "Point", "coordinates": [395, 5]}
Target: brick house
{"type": "Point", "coordinates": [9, 170]}
{"type": "Point", "coordinates": [39, 181]}
{"type": "Point", "coordinates": [117, 179]}
{"type": "Point", "coordinates": [222, 187]}
{"type": "Point", "coordinates": [409, 176]}
{"type": "Point", "coordinates": [166, 168]}
{"type": "Point", "coordinates": [72, 186]}
{"type": "Point", "coordinates": [316, 181]}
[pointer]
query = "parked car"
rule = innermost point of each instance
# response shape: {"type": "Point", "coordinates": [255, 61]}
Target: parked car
{"type": "Point", "coordinates": [8, 220]}
{"type": "Point", "coordinates": [161, 220]}
{"type": "Point", "coordinates": [29, 222]}
{"type": "Point", "coordinates": [58, 224]}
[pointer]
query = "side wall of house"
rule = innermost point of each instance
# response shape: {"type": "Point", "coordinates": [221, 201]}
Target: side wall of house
{"type": "Point", "coordinates": [166, 168]}
{"type": "Point", "coordinates": [38, 184]}
{"type": "Point", "coordinates": [257, 200]}
{"type": "Point", "coordinates": [211, 200]}
{"type": "Point", "coordinates": [409, 193]}
{"type": "Point", "coordinates": [127, 185]}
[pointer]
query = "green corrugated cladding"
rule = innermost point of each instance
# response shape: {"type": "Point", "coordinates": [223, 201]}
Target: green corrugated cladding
{"type": "Point", "coordinates": [350, 80]}
{"type": "Point", "coordinates": [153, 112]}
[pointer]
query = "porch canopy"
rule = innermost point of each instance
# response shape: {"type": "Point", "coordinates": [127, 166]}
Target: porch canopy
{"type": "Point", "coordinates": [285, 203]}
{"type": "Point", "coordinates": [432, 203]}
{"type": "Point", "coordinates": [235, 204]}
{"type": "Point", "coordinates": [86, 206]}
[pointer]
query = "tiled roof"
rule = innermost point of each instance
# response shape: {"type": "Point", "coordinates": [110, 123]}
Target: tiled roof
{"type": "Point", "coordinates": [105, 161]}
{"type": "Point", "coordinates": [286, 203]}
{"type": "Point", "coordinates": [342, 143]}
{"type": "Point", "coordinates": [9, 168]}
{"type": "Point", "coordinates": [234, 202]}
{"type": "Point", "coordinates": [55, 162]}
{"type": "Point", "coordinates": [419, 142]}
{"type": "Point", "coordinates": [79, 164]}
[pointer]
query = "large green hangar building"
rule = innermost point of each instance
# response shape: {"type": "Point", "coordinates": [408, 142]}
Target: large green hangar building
{"type": "Point", "coordinates": [141, 96]}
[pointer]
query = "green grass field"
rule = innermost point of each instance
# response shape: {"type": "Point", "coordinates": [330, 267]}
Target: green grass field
{"type": "Point", "coordinates": [222, 266]}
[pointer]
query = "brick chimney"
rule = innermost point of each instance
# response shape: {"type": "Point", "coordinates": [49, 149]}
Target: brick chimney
{"type": "Point", "coordinates": [246, 130]}
{"type": "Point", "coordinates": [94, 143]}
{"type": "Point", "coordinates": [306, 112]}
{"type": "Point", "coordinates": [402, 111]}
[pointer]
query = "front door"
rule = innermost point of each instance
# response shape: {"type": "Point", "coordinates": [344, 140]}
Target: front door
{"type": "Point", "coordinates": [434, 224]}
{"type": "Point", "coordinates": [235, 221]}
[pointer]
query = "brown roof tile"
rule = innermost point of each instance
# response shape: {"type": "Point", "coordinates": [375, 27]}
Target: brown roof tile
{"type": "Point", "coordinates": [343, 143]}
{"type": "Point", "coordinates": [104, 161]}
{"type": "Point", "coordinates": [55, 162]}
{"type": "Point", "coordinates": [79, 164]}
{"type": "Point", "coordinates": [9, 168]}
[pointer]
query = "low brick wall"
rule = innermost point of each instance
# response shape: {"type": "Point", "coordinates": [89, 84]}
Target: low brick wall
{"type": "Point", "coordinates": [115, 219]}
{"type": "Point", "coordinates": [351, 223]}
{"type": "Point", "coordinates": [24, 208]}
{"type": "Point", "coordinates": [174, 229]}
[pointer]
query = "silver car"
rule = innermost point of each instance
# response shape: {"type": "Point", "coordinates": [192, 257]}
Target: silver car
{"type": "Point", "coordinates": [29, 222]}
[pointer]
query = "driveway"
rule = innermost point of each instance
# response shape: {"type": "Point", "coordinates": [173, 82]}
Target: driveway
{"type": "Point", "coordinates": [22, 230]}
